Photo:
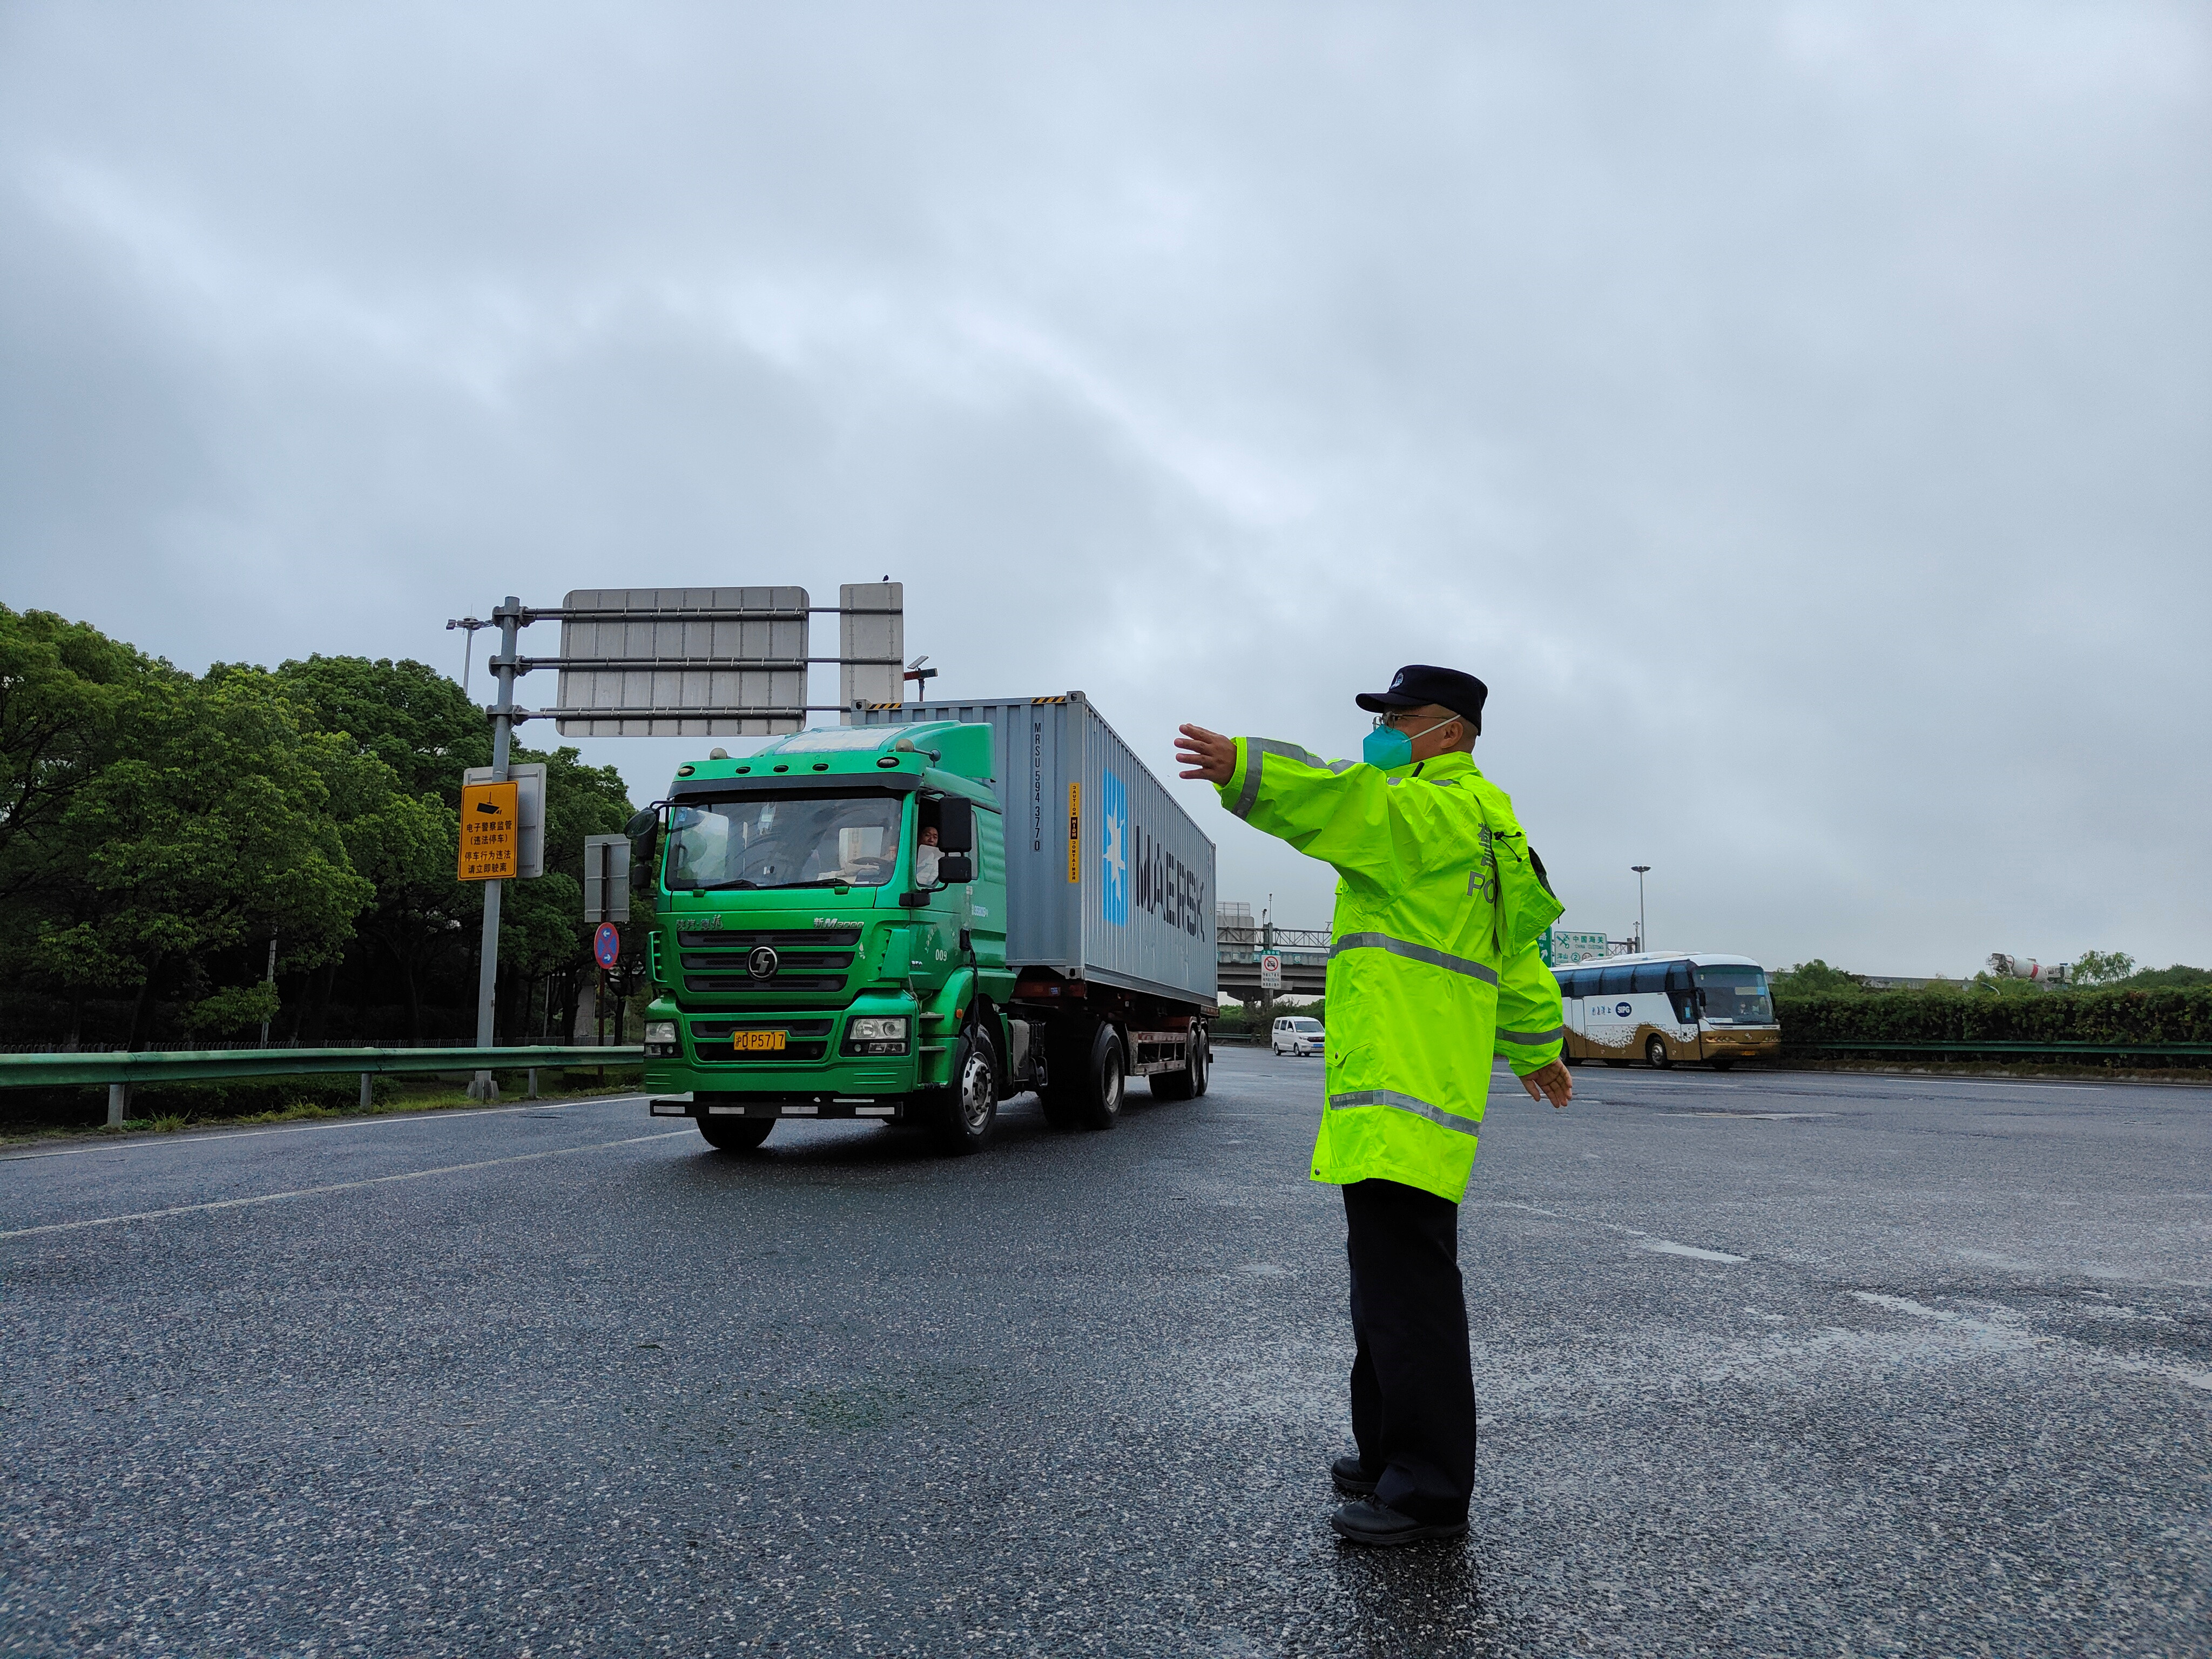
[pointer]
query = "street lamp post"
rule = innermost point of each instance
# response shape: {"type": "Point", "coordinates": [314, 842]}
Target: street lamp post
{"type": "Point", "coordinates": [1642, 944]}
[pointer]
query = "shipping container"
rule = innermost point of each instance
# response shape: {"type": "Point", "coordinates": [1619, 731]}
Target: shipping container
{"type": "Point", "coordinates": [1107, 878]}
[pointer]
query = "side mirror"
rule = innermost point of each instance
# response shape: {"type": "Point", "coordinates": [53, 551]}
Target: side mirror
{"type": "Point", "coordinates": [956, 828]}
{"type": "Point", "coordinates": [955, 867]}
{"type": "Point", "coordinates": [642, 823]}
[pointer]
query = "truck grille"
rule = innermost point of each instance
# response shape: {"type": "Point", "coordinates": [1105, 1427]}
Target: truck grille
{"type": "Point", "coordinates": [813, 959]}
{"type": "Point", "coordinates": [775, 984]}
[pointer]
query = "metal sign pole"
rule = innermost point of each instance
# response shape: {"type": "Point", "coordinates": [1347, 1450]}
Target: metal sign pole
{"type": "Point", "coordinates": [508, 615]}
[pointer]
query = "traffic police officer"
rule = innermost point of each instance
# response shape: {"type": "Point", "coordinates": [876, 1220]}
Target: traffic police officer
{"type": "Point", "coordinates": [1433, 971]}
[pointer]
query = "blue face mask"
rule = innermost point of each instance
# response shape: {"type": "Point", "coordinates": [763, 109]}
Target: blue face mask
{"type": "Point", "coordinates": [1387, 748]}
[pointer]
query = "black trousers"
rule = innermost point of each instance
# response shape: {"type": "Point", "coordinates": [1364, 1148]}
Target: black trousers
{"type": "Point", "coordinates": [1412, 1389]}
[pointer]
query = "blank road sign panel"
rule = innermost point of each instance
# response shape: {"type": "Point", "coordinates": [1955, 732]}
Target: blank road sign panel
{"type": "Point", "coordinates": [871, 643]}
{"type": "Point", "coordinates": [491, 830]}
{"type": "Point", "coordinates": [724, 649]}
{"type": "Point", "coordinates": [606, 878]}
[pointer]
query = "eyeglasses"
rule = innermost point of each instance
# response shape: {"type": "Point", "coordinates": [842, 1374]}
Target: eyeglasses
{"type": "Point", "coordinates": [1399, 717]}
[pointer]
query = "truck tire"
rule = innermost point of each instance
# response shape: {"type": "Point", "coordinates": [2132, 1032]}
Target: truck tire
{"type": "Point", "coordinates": [736, 1134]}
{"type": "Point", "coordinates": [1089, 1092]}
{"type": "Point", "coordinates": [1188, 1083]}
{"type": "Point", "coordinates": [970, 1110]}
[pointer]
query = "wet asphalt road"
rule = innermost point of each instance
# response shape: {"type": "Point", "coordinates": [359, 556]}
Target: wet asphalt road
{"type": "Point", "coordinates": [1768, 1364]}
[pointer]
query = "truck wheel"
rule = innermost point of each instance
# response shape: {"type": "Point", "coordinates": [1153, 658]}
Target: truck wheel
{"type": "Point", "coordinates": [736, 1134]}
{"type": "Point", "coordinates": [1187, 1083]}
{"type": "Point", "coordinates": [971, 1112]}
{"type": "Point", "coordinates": [1201, 1064]}
{"type": "Point", "coordinates": [1655, 1052]}
{"type": "Point", "coordinates": [1098, 1086]}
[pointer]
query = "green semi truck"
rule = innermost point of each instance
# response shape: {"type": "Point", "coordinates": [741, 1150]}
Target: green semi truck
{"type": "Point", "coordinates": [917, 916]}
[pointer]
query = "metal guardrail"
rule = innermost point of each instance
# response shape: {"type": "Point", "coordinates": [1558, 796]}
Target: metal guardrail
{"type": "Point", "coordinates": [119, 1071]}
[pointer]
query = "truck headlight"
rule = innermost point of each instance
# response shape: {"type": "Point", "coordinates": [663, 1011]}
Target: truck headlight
{"type": "Point", "coordinates": [876, 1035]}
{"type": "Point", "coordinates": [660, 1039]}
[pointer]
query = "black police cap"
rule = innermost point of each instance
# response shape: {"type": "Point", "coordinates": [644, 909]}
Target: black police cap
{"type": "Point", "coordinates": [1418, 685]}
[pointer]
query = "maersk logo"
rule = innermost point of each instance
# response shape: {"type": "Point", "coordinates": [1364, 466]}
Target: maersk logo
{"type": "Point", "coordinates": [1114, 850]}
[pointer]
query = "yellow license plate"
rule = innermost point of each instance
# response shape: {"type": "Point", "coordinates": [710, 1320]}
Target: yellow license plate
{"type": "Point", "coordinates": [758, 1042]}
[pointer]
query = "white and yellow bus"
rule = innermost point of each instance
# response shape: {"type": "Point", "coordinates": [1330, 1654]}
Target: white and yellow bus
{"type": "Point", "coordinates": [1664, 1006]}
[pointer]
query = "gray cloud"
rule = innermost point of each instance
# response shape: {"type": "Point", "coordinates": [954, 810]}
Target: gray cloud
{"type": "Point", "coordinates": [1799, 414]}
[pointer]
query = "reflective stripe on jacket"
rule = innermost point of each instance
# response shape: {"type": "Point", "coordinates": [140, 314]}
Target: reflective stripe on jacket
{"type": "Point", "coordinates": [1434, 962]}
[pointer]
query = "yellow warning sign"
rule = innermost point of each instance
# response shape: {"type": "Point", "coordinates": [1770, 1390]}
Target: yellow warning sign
{"type": "Point", "coordinates": [491, 830]}
{"type": "Point", "coordinates": [1075, 832]}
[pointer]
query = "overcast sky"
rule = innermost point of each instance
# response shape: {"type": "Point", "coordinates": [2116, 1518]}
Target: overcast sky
{"type": "Point", "coordinates": [1801, 415]}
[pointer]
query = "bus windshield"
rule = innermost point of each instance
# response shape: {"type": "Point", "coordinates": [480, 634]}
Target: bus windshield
{"type": "Point", "coordinates": [811, 841]}
{"type": "Point", "coordinates": [1735, 996]}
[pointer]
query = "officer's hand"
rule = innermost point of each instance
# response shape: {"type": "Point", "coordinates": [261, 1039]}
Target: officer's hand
{"type": "Point", "coordinates": [1553, 1083]}
{"type": "Point", "coordinates": [1207, 754]}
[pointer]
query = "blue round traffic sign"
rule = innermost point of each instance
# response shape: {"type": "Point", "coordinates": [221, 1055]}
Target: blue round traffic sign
{"type": "Point", "coordinates": [606, 944]}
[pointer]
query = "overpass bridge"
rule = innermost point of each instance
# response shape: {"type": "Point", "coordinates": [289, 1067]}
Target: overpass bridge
{"type": "Point", "coordinates": [1304, 952]}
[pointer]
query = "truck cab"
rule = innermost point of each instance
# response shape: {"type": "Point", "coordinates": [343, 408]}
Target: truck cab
{"type": "Point", "coordinates": [799, 966]}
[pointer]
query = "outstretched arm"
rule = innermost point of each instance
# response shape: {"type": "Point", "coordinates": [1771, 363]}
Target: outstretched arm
{"type": "Point", "coordinates": [1356, 818]}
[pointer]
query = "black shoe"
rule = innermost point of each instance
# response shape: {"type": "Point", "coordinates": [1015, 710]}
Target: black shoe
{"type": "Point", "coordinates": [1369, 1522]}
{"type": "Point", "coordinates": [1351, 1475]}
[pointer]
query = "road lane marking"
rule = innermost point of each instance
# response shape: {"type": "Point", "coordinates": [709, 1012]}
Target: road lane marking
{"type": "Point", "coordinates": [1668, 1247]}
{"type": "Point", "coordinates": [1761, 1117]}
{"type": "Point", "coordinates": [334, 1186]}
{"type": "Point", "coordinates": [1650, 1241]}
{"type": "Point", "coordinates": [441, 1114]}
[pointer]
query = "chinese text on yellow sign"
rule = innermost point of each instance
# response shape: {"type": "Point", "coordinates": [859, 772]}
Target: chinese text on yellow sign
{"type": "Point", "coordinates": [491, 830]}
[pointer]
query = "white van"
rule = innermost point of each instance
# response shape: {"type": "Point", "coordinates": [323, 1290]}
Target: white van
{"type": "Point", "coordinates": [1663, 1007]}
{"type": "Point", "coordinates": [1297, 1034]}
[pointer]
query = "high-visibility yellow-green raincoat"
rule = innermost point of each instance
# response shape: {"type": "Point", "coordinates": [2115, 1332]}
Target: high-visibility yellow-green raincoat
{"type": "Point", "coordinates": [1433, 964]}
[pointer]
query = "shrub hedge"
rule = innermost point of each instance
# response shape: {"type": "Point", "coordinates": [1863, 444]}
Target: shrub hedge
{"type": "Point", "coordinates": [2106, 1017]}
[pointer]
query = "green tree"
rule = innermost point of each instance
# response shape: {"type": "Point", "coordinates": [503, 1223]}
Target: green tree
{"type": "Point", "coordinates": [410, 716]}
{"type": "Point", "coordinates": [1812, 977]}
{"type": "Point", "coordinates": [63, 688]}
{"type": "Point", "coordinates": [212, 826]}
{"type": "Point", "coordinates": [2100, 968]}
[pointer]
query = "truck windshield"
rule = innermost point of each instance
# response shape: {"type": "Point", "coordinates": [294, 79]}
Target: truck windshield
{"type": "Point", "coordinates": [809, 840]}
{"type": "Point", "coordinates": [1735, 996]}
